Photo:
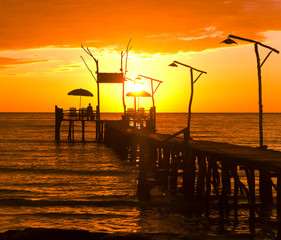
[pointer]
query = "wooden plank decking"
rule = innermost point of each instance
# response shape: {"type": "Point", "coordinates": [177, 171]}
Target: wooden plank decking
{"type": "Point", "coordinates": [251, 156]}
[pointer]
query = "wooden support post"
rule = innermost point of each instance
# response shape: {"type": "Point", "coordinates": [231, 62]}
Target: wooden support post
{"type": "Point", "coordinates": [202, 172]}
{"type": "Point", "coordinates": [150, 159]}
{"type": "Point", "coordinates": [97, 129]}
{"type": "Point", "coordinates": [188, 174]}
{"type": "Point", "coordinates": [59, 118]}
{"type": "Point", "coordinates": [106, 135]}
{"type": "Point", "coordinates": [97, 119]}
{"type": "Point", "coordinates": [143, 190]}
{"type": "Point", "coordinates": [83, 130]}
{"type": "Point", "coordinates": [164, 168]}
{"type": "Point", "coordinates": [226, 187]}
{"type": "Point", "coordinates": [160, 156]}
{"type": "Point", "coordinates": [265, 186]}
{"type": "Point", "coordinates": [251, 198]}
{"type": "Point", "coordinates": [133, 148]}
{"type": "Point", "coordinates": [154, 158]}
{"type": "Point", "coordinates": [200, 185]}
{"type": "Point", "coordinates": [133, 152]}
{"type": "Point", "coordinates": [214, 174]}
{"type": "Point", "coordinates": [71, 131]}
{"type": "Point", "coordinates": [222, 196]}
{"type": "Point", "coordinates": [235, 193]}
{"type": "Point", "coordinates": [124, 146]}
{"type": "Point", "coordinates": [279, 205]}
{"type": "Point", "coordinates": [208, 189]}
{"type": "Point", "coordinates": [152, 119]}
{"type": "Point", "coordinates": [100, 136]}
{"type": "Point", "coordinates": [174, 173]}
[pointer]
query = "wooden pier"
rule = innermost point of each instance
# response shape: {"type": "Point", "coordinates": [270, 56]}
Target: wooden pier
{"type": "Point", "coordinates": [206, 173]}
{"type": "Point", "coordinates": [80, 116]}
{"type": "Point", "coordinates": [138, 120]}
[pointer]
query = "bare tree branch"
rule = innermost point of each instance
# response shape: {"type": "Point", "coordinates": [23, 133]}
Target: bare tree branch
{"type": "Point", "coordinates": [128, 45]}
{"type": "Point", "coordinates": [127, 54]}
{"type": "Point", "coordinates": [89, 68]}
{"type": "Point", "coordinates": [89, 52]}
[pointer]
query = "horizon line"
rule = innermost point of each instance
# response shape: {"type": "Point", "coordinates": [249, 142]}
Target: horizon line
{"type": "Point", "coordinates": [166, 112]}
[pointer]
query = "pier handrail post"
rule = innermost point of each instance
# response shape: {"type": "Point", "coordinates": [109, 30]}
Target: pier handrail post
{"type": "Point", "coordinates": [279, 205]}
{"type": "Point", "coordinates": [259, 65]}
{"type": "Point", "coordinates": [188, 173]}
{"type": "Point", "coordinates": [59, 118]}
{"type": "Point", "coordinates": [174, 135]}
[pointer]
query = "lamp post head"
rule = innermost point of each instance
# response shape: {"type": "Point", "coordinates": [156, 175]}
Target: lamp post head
{"type": "Point", "coordinates": [173, 65]}
{"type": "Point", "coordinates": [228, 41]}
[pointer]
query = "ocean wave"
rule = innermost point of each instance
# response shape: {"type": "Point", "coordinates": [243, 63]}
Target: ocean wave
{"type": "Point", "coordinates": [71, 215]}
{"type": "Point", "coordinates": [103, 203]}
{"type": "Point", "coordinates": [19, 202]}
{"type": "Point", "coordinates": [107, 172]}
{"type": "Point", "coordinates": [13, 191]}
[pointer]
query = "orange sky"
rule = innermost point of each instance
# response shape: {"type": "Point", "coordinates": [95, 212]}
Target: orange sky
{"type": "Point", "coordinates": [40, 52]}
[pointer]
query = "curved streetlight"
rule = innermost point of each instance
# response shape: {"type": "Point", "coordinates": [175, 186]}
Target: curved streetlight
{"type": "Point", "coordinates": [153, 91]}
{"type": "Point", "coordinates": [229, 40]}
{"type": "Point", "coordinates": [174, 64]}
{"type": "Point", "coordinates": [152, 87]}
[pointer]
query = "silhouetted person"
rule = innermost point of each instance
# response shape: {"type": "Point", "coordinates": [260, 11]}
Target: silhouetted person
{"type": "Point", "coordinates": [90, 112]}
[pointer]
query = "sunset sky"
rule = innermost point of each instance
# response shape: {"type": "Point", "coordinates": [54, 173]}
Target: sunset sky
{"type": "Point", "coordinates": [40, 49]}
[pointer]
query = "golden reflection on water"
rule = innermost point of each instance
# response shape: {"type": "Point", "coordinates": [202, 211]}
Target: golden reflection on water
{"type": "Point", "coordinates": [86, 186]}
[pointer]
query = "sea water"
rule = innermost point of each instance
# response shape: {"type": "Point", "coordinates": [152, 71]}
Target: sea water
{"type": "Point", "coordinates": [87, 186]}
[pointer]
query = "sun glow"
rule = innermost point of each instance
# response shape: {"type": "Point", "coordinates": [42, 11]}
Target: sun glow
{"type": "Point", "coordinates": [231, 72]}
{"type": "Point", "coordinates": [134, 86]}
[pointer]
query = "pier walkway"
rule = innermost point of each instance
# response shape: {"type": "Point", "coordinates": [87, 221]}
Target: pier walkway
{"type": "Point", "coordinates": [205, 172]}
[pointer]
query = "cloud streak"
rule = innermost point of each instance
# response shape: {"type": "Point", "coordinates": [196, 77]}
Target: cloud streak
{"type": "Point", "coordinates": [155, 26]}
{"type": "Point", "coordinates": [6, 62]}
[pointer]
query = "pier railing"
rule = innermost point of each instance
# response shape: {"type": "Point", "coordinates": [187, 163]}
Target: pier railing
{"type": "Point", "coordinates": [73, 116]}
{"type": "Point", "coordinates": [80, 114]}
{"type": "Point", "coordinates": [141, 119]}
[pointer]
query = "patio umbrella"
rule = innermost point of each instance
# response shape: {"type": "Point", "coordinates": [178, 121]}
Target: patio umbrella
{"type": "Point", "coordinates": [138, 94]}
{"type": "Point", "coordinates": [80, 92]}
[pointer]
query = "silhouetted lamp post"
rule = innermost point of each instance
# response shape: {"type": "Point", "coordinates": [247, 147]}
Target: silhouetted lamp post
{"type": "Point", "coordinates": [153, 91]}
{"type": "Point", "coordinates": [174, 64]}
{"type": "Point", "coordinates": [259, 65]}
